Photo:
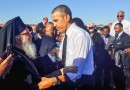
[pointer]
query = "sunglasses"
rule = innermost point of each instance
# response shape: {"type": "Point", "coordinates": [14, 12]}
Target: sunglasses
{"type": "Point", "coordinates": [91, 27]}
{"type": "Point", "coordinates": [119, 16]}
{"type": "Point", "coordinates": [28, 33]}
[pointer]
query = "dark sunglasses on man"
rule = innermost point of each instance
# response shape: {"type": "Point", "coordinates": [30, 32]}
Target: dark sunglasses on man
{"type": "Point", "coordinates": [120, 16]}
{"type": "Point", "coordinates": [91, 27]}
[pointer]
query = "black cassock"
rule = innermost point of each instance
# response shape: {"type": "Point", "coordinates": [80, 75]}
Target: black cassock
{"type": "Point", "coordinates": [23, 74]}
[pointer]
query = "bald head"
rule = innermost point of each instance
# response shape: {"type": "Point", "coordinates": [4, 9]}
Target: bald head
{"type": "Point", "coordinates": [49, 28]}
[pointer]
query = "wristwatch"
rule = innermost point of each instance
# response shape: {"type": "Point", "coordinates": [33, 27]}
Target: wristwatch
{"type": "Point", "coordinates": [58, 81]}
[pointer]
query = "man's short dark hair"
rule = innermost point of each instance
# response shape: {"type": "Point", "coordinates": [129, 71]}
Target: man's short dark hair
{"type": "Point", "coordinates": [106, 27]}
{"type": "Point", "coordinates": [50, 23]}
{"type": "Point", "coordinates": [39, 28]}
{"type": "Point", "coordinates": [120, 24]}
{"type": "Point", "coordinates": [62, 9]}
{"type": "Point", "coordinates": [45, 18]}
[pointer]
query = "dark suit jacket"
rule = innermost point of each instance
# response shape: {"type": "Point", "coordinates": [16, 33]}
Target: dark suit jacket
{"type": "Point", "coordinates": [37, 41]}
{"type": "Point", "coordinates": [98, 42]}
{"type": "Point", "coordinates": [47, 44]}
{"type": "Point", "coordinates": [122, 43]}
{"type": "Point", "coordinates": [44, 65]}
{"type": "Point", "coordinates": [110, 42]}
{"type": "Point", "coordinates": [36, 37]}
{"type": "Point", "coordinates": [100, 53]}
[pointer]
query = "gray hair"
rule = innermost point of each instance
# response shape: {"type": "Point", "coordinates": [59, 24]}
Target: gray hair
{"type": "Point", "coordinates": [121, 12]}
{"type": "Point", "coordinates": [62, 9]}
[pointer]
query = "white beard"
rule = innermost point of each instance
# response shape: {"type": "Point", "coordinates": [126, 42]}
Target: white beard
{"type": "Point", "coordinates": [30, 49]}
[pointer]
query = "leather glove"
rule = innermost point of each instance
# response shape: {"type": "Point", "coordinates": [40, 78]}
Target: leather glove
{"type": "Point", "coordinates": [70, 69]}
{"type": "Point", "coordinates": [47, 83]}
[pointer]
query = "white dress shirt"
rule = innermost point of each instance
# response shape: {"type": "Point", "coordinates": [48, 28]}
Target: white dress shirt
{"type": "Point", "coordinates": [126, 27]}
{"type": "Point", "coordinates": [119, 35]}
{"type": "Point", "coordinates": [79, 52]}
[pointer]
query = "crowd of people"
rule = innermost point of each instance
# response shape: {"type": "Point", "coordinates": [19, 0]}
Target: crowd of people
{"type": "Point", "coordinates": [65, 54]}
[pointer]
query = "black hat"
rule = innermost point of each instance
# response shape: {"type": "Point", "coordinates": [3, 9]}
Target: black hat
{"type": "Point", "coordinates": [7, 34]}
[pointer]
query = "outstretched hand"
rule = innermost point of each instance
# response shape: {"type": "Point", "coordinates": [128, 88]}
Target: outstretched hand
{"type": "Point", "coordinates": [47, 83]}
{"type": "Point", "coordinates": [5, 65]}
{"type": "Point", "coordinates": [54, 51]}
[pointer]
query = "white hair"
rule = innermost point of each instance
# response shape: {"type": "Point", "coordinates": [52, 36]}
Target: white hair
{"type": "Point", "coordinates": [30, 49]}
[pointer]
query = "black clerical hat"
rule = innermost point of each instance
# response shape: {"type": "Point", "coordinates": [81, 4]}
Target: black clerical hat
{"type": "Point", "coordinates": [12, 28]}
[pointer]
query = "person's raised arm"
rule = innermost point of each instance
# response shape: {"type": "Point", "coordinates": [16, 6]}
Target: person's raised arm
{"type": "Point", "coordinates": [5, 65]}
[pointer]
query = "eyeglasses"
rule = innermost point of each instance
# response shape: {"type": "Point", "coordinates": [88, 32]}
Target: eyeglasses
{"type": "Point", "coordinates": [28, 33]}
{"type": "Point", "coordinates": [119, 16]}
{"type": "Point", "coordinates": [91, 27]}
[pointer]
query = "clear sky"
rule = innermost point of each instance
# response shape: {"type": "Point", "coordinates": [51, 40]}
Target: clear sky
{"type": "Point", "coordinates": [32, 11]}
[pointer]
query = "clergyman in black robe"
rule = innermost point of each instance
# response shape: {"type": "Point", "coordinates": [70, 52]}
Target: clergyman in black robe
{"type": "Point", "coordinates": [23, 75]}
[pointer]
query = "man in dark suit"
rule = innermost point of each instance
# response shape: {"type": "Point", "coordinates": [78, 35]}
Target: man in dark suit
{"type": "Point", "coordinates": [101, 58]}
{"type": "Point", "coordinates": [37, 38]}
{"type": "Point", "coordinates": [108, 39]}
{"type": "Point", "coordinates": [46, 64]}
{"type": "Point", "coordinates": [48, 42]}
{"type": "Point", "coordinates": [128, 69]}
{"type": "Point", "coordinates": [122, 42]}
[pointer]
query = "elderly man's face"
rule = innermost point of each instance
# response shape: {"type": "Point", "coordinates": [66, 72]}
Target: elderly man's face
{"type": "Point", "coordinates": [26, 36]}
{"type": "Point", "coordinates": [49, 29]}
{"type": "Point", "coordinates": [120, 16]}
{"type": "Point", "coordinates": [27, 45]}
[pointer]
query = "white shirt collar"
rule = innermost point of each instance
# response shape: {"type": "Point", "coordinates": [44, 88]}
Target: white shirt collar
{"type": "Point", "coordinates": [120, 34]}
{"type": "Point", "coordinates": [121, 21]}
{"type": "Point", "coordinates": [49, 35]}
{"type": "Point", "coordinates": [39, 36]}
{"type": "Point", "coordinates": [70, 30]}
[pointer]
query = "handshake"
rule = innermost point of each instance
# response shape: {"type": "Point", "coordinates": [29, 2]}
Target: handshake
{"type": "Point", "coordinates": [54, 78]}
